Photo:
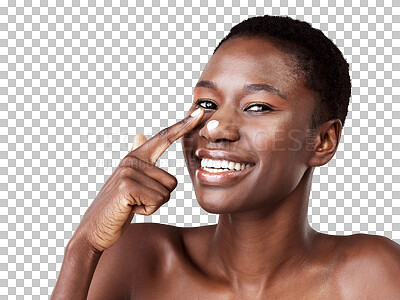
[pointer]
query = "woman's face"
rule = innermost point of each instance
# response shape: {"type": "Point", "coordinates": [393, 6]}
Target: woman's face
{"type": "Point", "coordinates": [264, 114]}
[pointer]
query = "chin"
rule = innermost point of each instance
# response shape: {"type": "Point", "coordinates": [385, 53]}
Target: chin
{"type": "Point", "coordinates": [212, 209]}
{"type": "Point", "coordinates": [216, 205]}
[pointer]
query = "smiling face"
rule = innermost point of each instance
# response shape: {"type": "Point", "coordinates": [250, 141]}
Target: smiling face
{"type": "Point", "coordinates": [263, 111]}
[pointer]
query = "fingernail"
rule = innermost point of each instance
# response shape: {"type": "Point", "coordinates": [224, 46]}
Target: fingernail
{"type": "Point", "coordinates": [212, 125]}
{"type": "Point", "coordinates": [195, 113]}
{"type": "Point", "coordinates": [134, 144]}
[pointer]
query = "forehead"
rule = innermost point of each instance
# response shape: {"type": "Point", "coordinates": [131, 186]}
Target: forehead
{"type": "Point", "coordinates": [247, 60]}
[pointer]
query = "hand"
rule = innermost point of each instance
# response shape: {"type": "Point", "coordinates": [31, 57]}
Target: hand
{"type": "Point", "coordinates": [135, 186]}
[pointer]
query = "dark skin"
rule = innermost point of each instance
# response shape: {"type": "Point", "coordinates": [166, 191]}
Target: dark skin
{"type": "Point", "coordinates": [262, 246]}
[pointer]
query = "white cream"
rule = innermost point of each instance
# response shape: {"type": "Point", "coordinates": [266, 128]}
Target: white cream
{"type": "Point", "coordinates": [212, 125]}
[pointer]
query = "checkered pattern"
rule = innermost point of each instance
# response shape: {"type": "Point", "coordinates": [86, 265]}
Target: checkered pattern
{"type": "Point", "coordinates": [78, 81]}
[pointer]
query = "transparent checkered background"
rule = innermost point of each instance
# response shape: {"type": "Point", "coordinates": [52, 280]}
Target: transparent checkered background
{"type": "Point", "coordinates": [78, 81]}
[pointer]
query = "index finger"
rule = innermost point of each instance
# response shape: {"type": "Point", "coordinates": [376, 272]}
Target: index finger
{"type": "Point", "coordinates": [152, 149]}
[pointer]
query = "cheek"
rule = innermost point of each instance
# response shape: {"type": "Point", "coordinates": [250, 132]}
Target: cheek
{"type": "Point", "coordinates": [282, 139]}
{"type": "Point", "coordinates": [273, 139]}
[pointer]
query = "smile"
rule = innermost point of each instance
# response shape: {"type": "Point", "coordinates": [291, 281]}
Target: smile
{"type": "Point", "coordinates": [220, 172]}
{"type": "Point", "coordinates": [218, 166]}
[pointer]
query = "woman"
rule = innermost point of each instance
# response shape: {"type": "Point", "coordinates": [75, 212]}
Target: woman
{"type": "Point", "coordinates": [268, 108]}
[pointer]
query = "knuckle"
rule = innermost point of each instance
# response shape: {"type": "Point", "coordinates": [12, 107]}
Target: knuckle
{"type": "Point", "coordinates": [129, 161]}
{"type": "Point", "coordinates": [166, 198]}
{"type": "Point", "coordinates": [166, 193]}
{"type": "Point", "coordinates": [172, 182]}
{"type": "Point", "coordinates": [133, 198]}
{"type": "Point", "coordinates": [184, 122]}
{"type": "Point", "coordinates": [125, 161]}
{"type": "Point", "coordinates": [124, 183]}
{"type": "Point", "coordinates": [137, 199]}
{"type": "Point", "coordinates": [147, 212]}
{"type": "Point", "coordinates": [125, 171]}
{"type": "Point", "coordinates": [159, 198]}
{"type": "Point", "coordinates": [163, 133]}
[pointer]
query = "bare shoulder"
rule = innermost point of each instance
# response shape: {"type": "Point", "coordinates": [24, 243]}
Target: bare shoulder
{"type": "Point", "coordinates": [371, 266]}
{"type": "Point", "coordinates": [134, 259]}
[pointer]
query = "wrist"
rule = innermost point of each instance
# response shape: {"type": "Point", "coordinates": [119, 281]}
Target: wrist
{"type": "Point", "coordinates": [81, 245]}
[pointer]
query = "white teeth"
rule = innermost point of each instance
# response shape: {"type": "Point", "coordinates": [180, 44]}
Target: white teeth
{"type": "Point", "coordinates": [203, 163]}
{"type": "Point", "coordinates": [215, 166]}
{"type": "Point", "coordinates": [214, 163]}
{"type": "Point", "coordinates": [215, 170]}
{"type": "Point", "coordinates": [224, 164]}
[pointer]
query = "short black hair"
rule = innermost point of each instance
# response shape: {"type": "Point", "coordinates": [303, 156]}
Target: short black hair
{"type": "Point", "coordinates": [318, 59]}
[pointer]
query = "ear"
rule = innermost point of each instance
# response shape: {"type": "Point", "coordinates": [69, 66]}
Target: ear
{"type": "Point", "coordinates": [326, 142]}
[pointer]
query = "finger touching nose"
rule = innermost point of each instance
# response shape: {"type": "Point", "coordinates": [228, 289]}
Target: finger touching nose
{"type": "Point", "coordinates": [152, 149]}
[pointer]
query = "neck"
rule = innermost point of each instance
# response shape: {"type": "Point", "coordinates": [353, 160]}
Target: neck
{"type": "Point", "coordinates": [255, 248]}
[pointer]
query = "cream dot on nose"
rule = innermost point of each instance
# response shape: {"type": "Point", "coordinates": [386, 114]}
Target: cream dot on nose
{"type": "Point", "coordinates": [212, 125]}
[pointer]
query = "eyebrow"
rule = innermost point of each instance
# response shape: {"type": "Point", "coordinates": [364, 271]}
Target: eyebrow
{"type": "Point", "coordinates": [250, 88]}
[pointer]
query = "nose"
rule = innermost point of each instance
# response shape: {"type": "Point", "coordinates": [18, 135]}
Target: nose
{"type": "Point", "coordinates": [222, 126]}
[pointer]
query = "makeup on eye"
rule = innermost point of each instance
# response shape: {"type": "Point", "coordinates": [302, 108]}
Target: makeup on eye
{"type": "Point", "coordinates": [265, 106]}
{"type": "Point", "coordinates": [209, 103]}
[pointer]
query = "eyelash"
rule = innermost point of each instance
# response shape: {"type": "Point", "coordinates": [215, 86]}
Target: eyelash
{"type": "Point", "coordinates": [268, 108]}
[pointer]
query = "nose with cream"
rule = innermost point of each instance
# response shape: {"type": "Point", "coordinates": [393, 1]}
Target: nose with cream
{"type": "Point", "coordinates": [212, 125]}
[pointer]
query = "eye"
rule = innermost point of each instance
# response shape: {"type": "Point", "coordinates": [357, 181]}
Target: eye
{"type": "Point", "coordinates": [259, 107]}
{"type": "Point", "coordinates": [207, 104]}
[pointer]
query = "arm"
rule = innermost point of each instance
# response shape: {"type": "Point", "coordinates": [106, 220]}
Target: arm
{"type": "Point", "coordinates": [136, 186]}
{"type": "Point", "coordinates": [77, 270]}
{"type": "Point", "coordinates": [88, 274]}
{"type": "Point", "coordinates": [135, 263]}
